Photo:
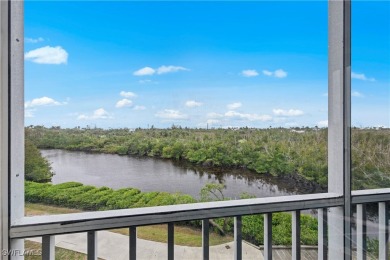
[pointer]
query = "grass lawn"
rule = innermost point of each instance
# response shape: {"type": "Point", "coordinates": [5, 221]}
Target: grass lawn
{"type": "Point", "coordinates": [35, 209]}
{"type": "Point", "coordinates": [61, 253]}
{"type": "Point", "coordinates": [185, 236]}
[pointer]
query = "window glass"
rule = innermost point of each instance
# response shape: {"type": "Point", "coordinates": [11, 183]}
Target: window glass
{"type": "Point", "coordinates": [370, 95]}
{"type": "Point", "coordinates": [371, 106]}
{"type": "Point", "coordinates": [138, 104]}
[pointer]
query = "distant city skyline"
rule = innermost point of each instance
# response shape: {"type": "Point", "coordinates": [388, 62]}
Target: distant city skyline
{"type": "Point", "coordinates": [197, 64]}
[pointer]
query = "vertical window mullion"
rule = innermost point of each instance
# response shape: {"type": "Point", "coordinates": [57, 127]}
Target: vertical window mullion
{"type": "Point", "coordinates": [4, 126]}
{"type": "Point", "coordinates": [339, 126]}
{"type": "Point", "coordinates": [16, 114]}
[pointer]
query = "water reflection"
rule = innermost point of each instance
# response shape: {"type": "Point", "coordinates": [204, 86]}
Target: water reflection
{"type": "Point", "coordinates": [150, 174]}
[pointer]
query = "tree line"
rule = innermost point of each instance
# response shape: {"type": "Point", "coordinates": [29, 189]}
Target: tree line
{"type": "Point", "coordinates": [277, 151]}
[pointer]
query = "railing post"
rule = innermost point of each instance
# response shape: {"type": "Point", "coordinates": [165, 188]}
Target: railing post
{"type": "Point", "coordinates": [323, 234]}
{"type": "Point", "coordinates": [339, 127]}
{"type": "Point", "coordinates": [296, 235]}
{"type": "Point", "coordinates": [268, 236]}
{"type": "Point", "coordinates": [48, 248]}
{"type": "Point", "coordinates": [171, 241]}
{"type": "Point", "coordinates": [361, 241]}
{"type": "Point", "coordinates": [92, 245]}
{"type": "Point", "coordinates": [383, 230]}
{"type": "Point", "coordinates": [205, 239]}
{"type": "Point", "coordinates": [237, 238]}
{"type": "Point", "coordinates": [133, 242]}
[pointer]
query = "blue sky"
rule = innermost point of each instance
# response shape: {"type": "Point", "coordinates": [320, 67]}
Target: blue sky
{"type": "Point", "coordinates": [137, 64]}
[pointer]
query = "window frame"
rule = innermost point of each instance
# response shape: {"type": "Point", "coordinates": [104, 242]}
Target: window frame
{"type": "Point", "coordinates": [339, 143]}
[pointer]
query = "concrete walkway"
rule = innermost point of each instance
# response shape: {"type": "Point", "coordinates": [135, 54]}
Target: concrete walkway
{"type": "Point", "coordinates": [116, 247]}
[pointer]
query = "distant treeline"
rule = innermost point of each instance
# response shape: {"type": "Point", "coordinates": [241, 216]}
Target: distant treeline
{"type": "Point", "coordinates": [79, 196]}
{"type": "Point", "coordinates": [277, 151]}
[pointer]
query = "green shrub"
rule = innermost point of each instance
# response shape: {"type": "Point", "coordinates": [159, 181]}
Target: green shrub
{"type": "Point", "coordinates": [36, 167]}
{"type": "Point", "coordinates": [67, 185]}
{"type": "Point", "coordinates": [85, 197]}
{"type": "Point", "coordinates": [145, 198]}
{"type": "Point", "coordinates": [123, 198]}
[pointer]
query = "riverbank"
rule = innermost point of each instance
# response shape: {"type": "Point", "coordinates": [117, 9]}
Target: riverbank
{"type": "Point", "coordinates": [291, 181]}
{"type": "Point", "coordinates": [264, 151]}
{"type": "Point", "coordinates": [82, 197]}
{"type": "Point", "coordinates": [277, 152]}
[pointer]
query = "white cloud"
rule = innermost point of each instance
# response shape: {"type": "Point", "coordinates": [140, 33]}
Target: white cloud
{"type": "Point", "coordinates": [43, 101]}
{"type": "Point", "coordinates": [250, 117]}
{"type": "Point", "coordinates": [127, 94]}
{"type": "Point", "coordinates": [356, 94]}
{"type": "Point", "coordinates": [47, 55]}
{"type": "Point", "coordinates": [33, 40]}
{"type": "Point", "coordinates": [234, 105]}
{"type": "Point", "coordinates": [124, 103]}
{"type": "Point", "coordinates": [147, 71]}
{"type": "Point", "coordinates": [214, 115]}
{"type": "Point", "coordinates": [323, 123]}
{"type": "Point", "coordinates": [249, 73]}
{"type": "Point", "coordinates": [361, 76]}
{"type": "Point", "coordinates": [277, 73]}
{"type": "Point", "coordinates": [290, 112]}
{"type": "Point", "coordinates": [193, 103]}
{"type": "Point", "coordinates": [280, 73]}
{"type": "Point", "coordinates": [171, 114]}
{"type": "Point", "coordinates": [170, 69]}
{"type": "Point", "coordinates": [99, 113]}
{"type": "Point", "coordinates": [139, 108]}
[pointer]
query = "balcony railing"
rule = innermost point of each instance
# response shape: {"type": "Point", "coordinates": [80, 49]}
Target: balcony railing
{"type": "Point", "coordinates": [91, 222]}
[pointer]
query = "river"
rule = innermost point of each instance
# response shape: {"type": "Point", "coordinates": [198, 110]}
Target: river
{"type": "Point", "coordinates": [152, 174]}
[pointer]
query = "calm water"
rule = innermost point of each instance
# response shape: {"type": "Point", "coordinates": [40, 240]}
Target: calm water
{"type": "Point", "coordinates": [150, 174]}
